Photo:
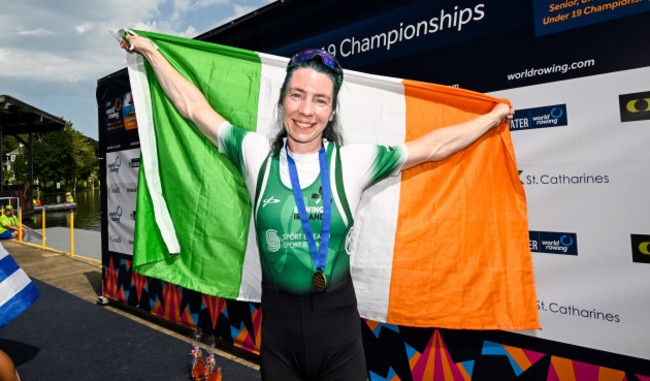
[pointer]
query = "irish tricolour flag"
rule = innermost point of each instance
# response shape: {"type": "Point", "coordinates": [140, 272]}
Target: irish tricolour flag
{"type": "Point", "coordinates": [444, 245]}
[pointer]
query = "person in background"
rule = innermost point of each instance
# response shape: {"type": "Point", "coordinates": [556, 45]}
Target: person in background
{"type": "Point", "coordinates": [68, 197]}
{"type": "Point", "coordinates": [9, 224]}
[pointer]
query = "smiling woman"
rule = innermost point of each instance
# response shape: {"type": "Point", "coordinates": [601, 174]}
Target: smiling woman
{"type": "Point", "coordinates": [307, 109]}
{"type": "Point", "coordinates": [305, 188]}
{"type": "Point", "coordinates": [308, 101]}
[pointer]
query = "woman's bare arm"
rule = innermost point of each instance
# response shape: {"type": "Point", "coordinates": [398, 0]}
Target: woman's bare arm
{"type": "Point", "coordinates": [186, 97]}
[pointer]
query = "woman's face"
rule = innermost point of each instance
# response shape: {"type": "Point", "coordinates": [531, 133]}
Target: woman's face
{"type": "Point", "coordinates": [307, 108]}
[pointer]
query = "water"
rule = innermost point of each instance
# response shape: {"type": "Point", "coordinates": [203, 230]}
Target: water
{"type": "Point", "coordinates": [87, 215]}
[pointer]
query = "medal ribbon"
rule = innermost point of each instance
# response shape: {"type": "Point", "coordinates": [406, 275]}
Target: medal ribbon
{"type": "Point", "coordinates": [319, 260]}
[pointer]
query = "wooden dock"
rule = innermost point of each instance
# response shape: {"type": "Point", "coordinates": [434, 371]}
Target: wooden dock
{"type": "Point", "coordinates": [81, 276]}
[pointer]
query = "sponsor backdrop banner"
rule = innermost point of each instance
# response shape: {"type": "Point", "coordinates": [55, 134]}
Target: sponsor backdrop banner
{"type": "Point", "coordinates": [586, 184]}
{"type": "Point", "coordinates": [120, 114]}
{"type": "Point", "coordinates": [121, 184]}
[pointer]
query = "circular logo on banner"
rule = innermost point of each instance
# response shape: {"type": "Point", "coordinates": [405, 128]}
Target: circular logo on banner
{"type": "Point", "coordinates": [556, 112]}
{"type": "Point", "coordinates": [638, 105]}
{"type": "Point", "coordinates": [643, 248]}
{"type": "Point", "coordinates": [565, 240]}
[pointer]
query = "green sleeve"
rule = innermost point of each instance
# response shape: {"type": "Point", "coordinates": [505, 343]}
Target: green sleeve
{"type": "Point", "coordinates": [231, 139]}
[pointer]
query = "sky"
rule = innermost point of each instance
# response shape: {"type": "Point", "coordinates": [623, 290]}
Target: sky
{"type": "Point", "coordinates": [52, 52]}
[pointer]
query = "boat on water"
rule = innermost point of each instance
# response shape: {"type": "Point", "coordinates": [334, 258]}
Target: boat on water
{"type": "Point", "coordinates": [56, 207]}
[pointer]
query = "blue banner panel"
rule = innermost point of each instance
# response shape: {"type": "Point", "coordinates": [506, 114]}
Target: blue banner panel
{"type": "Point", "coordinates": [539, 117]}
{"type": "Point", "coordinates": [554, 242]}
{"type": "Point", "coordinates": [120, 113]}
{"type": "Point", "coordinates": [557, 16]}
{"type": "Point", "coordinates": [410, 29]}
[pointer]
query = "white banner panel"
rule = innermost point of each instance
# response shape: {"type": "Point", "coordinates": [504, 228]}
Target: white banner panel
{"type": "Point", "coordinates": [121, 185]}
{"type": "Point", "coordinates": [586, 176]}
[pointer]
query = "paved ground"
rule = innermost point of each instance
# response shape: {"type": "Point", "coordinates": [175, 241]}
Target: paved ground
{"type": "Point", "coordinates": [82, 277]}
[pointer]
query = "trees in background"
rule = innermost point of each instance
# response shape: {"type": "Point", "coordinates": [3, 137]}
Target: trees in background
{"type": "Point", "coordinates": [59, 156]}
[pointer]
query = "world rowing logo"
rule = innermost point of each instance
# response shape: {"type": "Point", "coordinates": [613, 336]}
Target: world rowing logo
{"type": "Point", "coordinates": [115, 167]}
{"type": "Point", "coordinates": [116, 215]}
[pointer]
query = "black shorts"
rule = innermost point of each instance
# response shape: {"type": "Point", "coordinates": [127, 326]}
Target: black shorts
{"type": "Point", "coordinates": [314, 337]}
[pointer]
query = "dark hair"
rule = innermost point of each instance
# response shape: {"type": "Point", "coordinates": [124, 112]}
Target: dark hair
{"type": "Point", "coordinates": [332, 130]}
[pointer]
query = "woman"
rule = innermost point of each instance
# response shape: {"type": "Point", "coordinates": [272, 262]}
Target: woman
{"type": "Point", "coordinates": [308, 189]}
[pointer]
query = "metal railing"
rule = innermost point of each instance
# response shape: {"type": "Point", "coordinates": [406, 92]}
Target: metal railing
{"type": "Point", "coordinates": [43, 235]}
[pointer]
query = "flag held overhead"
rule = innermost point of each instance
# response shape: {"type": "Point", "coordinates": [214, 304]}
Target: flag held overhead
{"type": "Point", "coordinates": [444, 245]}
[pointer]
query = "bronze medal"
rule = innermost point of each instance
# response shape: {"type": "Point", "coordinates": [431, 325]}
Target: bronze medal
{"type": "Point", "coordinates": [319, 281]}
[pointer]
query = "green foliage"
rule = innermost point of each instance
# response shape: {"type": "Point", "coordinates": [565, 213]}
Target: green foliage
{"type": "Point", "coordinates": [20, 168]}
{"type": "Point", "coordinates": [65, 155]}
{"type": "Point", "coordinates": [9, 143]}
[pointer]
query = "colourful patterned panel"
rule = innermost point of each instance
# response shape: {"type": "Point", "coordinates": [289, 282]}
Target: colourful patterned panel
{"type": "Point", "coordinates": [520, 359]}
{"type": "Point", "coordinates": [391, 376]}
{"type": "Point", "coordinates": [215, 305]}
{"type": "Point", "coordinates": [435, 364]}
{"type": "Point", "coordinates": [231, 321]}
{"type": "Point", "coordinates": [111, 287]}
{"type": "Point", "coordinates": [243, 338]}
{"type": "Point", "coordinates": [562, 369]}
{"type": "Point", "coordinates": [376, 327]}
{"type": "Point", "coordinates": [139, 283]}
{"type": "Point", "coordinates": [170, 307]}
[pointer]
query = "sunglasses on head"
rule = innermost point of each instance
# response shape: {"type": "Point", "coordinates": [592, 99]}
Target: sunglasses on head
{"type": "Point", "coordinates": [321, 56]}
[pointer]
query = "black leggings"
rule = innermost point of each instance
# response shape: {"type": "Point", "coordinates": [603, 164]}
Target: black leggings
{"type": "Point", "coordinates": [314, 337]}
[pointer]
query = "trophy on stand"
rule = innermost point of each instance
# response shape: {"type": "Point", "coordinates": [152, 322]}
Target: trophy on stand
{"type": "Point", "coordinates": [198, 368]}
